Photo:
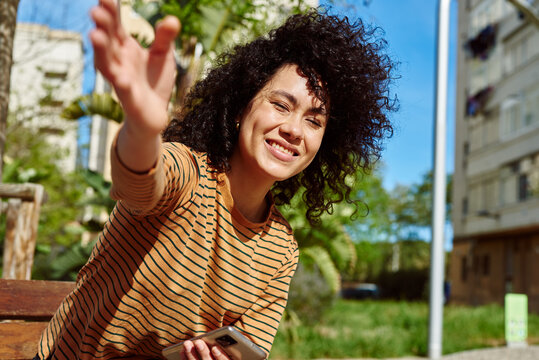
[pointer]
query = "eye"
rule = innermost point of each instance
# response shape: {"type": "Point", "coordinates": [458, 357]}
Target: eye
{"type": "Point", "coordinates": [315, 122]}
{"type": "Point", "coordinates": [280, 106]}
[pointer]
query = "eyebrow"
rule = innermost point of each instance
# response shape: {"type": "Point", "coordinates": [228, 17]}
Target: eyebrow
{"type": "Point", "coordinates": [316, 110]}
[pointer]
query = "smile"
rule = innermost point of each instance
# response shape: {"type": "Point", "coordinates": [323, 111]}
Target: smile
{"type": "Point", "coordinates": [281, 148]}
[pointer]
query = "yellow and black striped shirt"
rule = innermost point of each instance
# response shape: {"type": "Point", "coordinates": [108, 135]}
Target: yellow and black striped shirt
{"type": "Point", "coordinates": [176, 259]}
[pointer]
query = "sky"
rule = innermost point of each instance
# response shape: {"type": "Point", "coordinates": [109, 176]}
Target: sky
{"type": "Point", "coordinates": [410, 30]}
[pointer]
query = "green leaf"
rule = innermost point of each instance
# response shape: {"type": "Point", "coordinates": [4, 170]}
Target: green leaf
{"type": "Point", "coordinates": [94, 104]}
{"type": "Point", "coordinates": [327, 268]}
{"type": "Point", "coordinates": [70, 261]}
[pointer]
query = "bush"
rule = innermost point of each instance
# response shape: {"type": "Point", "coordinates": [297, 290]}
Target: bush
{"type": "Point", "coordinates": [309, 294]}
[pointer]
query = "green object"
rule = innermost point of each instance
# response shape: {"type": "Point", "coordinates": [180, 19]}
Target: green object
{"type": "Point", "coordinates": [516, 318]}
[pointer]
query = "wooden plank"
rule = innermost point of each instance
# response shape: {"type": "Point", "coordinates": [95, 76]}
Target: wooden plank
{"type": "Point", "coordinates": [19, 340]}
{"type": "Point", "coordinates": [26, 192]}
{"type": "Point", "coordinates": [32, 299]}
{"type": "Point", "coordinates": [21, 235]}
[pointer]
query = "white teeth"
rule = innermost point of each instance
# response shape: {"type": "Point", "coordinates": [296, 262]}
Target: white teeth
{"type": "Point", "coordinates": [281, 149]}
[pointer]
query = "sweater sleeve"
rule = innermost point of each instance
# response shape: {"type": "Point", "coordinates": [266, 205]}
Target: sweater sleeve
{"type": "Point", "coordinates": [171, 181]}
{"type": "Point", "coordinates": [261, 322]}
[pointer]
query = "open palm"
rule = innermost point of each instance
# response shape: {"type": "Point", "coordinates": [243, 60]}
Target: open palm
{"type": "Point", "coordinates": [143, 79]}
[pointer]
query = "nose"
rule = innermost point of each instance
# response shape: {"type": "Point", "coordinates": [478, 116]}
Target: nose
{"type": "Point", "coordinates": [291, 128]}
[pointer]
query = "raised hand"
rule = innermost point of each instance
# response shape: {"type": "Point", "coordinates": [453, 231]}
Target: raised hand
{"type": "Point", "coordinates": [143, 79]}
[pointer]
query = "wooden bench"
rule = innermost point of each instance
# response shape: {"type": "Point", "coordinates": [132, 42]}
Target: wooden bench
{"type": "Point", "coordinates": [26, 306]}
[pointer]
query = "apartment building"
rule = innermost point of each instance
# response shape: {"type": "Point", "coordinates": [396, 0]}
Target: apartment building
{"type": "Point", "coordinates": [46, 75]}
{"type": "Point", "coordinates": [496, 178]}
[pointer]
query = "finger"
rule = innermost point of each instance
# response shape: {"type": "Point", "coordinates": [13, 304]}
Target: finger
{"type": "Point", "coordinates": [190, 351]}
{"type": "Point", "coordinates": [100, 42]}
{"type": "Point", "coordinates": [112, 8]}
{"type": "Point", "coordinates": [103, 19]}
{"type": "Point", "coordinates": [165, 33]}
{"type": "Point", "coordinates": [203, 350]}
{"type": "Point", "coordinates": [99, 39]}
{"type": "Point", "coordinates": [110, 5]}
{"type": "Point", "coordinates": [218, 353]}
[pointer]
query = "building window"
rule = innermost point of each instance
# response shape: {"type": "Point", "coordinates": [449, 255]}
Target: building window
{"type": "Point", "coordinates": [523, 187]}
{"type": "Point", "coordinates": [476, 103]}
{"type": "Point", "coordinates": [61, 75]}
{"type": "Point", "coordinates": [531, 109]}
{"type": "Point", "coordinates": [486, 265]}
{"type": "Point", "coordinates": [463, 269]}
{"type": "Point", "coordinates": [508, 184]}
{"type": "Point", "coordinates": [476, 264]}
{"type": "Point", "coordinates": [465, 206]}
{"type": "Point", "coordinates": [474, 195]}
{"type": "Point", "coordinates": [489, 188]}
{"type": "Point", "coordinates": [481, 45]}
{"type": "Point", "coordinates": [519, 114]}
{"type": "Point", "coordinates": [510, 117]}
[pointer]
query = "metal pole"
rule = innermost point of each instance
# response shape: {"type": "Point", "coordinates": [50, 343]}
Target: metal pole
{"type": "Point", "coordinates": [439, 185]}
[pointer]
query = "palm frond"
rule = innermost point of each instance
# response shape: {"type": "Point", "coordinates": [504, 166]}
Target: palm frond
{"type": "Point", "coordinates": [94, 104]}
{"type": "Point", "coordinates": [322, 259]}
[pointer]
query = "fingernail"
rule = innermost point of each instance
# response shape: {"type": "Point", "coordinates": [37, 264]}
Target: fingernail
{"type": "Point", "coordinates": [199, 346]}
{"type": "Point", "coordinates": [215, 350]}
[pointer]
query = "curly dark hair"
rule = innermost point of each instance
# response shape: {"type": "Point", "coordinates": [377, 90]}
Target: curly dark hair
{"type": "Point", "coordinates": [347, 58]}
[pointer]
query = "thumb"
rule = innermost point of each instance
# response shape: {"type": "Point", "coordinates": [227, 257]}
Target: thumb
{"type": "Point", "coordinates": [165, 32]}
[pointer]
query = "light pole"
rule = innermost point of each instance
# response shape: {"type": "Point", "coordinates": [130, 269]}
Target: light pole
{"type": "Point", "coordinates": [439, 185]}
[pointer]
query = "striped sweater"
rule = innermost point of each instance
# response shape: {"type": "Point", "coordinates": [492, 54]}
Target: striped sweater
{"type": "Point", "coordinates": [176, 259]}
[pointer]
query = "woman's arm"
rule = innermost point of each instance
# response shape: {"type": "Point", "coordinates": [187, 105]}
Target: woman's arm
{"type": "Point", "coordinates": [143, 80]}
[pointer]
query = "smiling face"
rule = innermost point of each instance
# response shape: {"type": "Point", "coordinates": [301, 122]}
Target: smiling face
{"type": "Point", "coordinates": [281, 130]}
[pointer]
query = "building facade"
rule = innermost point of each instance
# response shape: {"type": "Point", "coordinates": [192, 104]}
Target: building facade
{"type": "Point", "coordinates": [496, 178]}
{"type": "Point", "coordinates": [46, 75]}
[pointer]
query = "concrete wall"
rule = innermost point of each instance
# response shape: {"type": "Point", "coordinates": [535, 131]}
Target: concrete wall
{"type": "Point", "coordinates": [47, 62]}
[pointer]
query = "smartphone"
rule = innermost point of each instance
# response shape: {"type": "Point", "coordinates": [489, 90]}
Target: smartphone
{"type": "Point", "coordinates": [234, 343]}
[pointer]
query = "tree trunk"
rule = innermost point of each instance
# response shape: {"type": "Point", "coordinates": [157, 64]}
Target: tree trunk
{"type": "Point", "coordinates": [8, 19]}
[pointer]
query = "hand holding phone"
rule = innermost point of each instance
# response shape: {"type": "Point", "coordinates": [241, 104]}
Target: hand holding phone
{"type": "Point", "coordinates": [231, 341]}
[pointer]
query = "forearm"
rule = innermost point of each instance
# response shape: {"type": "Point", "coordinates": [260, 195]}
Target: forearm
{"type": "Point", "coordinates": [137, 148]}
{"type": "Point", "coordinates": [139, 190]}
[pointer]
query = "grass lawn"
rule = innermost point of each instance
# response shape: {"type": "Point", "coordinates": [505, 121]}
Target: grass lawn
{"type": "Point", "coordinates": [379, 329]}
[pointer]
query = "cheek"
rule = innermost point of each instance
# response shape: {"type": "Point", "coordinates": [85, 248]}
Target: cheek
{"type": "Point", "coordinates": [315, 143]}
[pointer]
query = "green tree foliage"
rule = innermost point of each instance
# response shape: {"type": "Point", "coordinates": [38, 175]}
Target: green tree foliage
{"type": "Point", "coordinates": [77, 202]}
{"type": "Point", "coordinates": [64, 262]}
{"type": "Point", "coordinates": [215, 23]}
{"type": "Point", "coordinates": [412, 205]}
{"type": "Point", "coordinates": [327, 246]}
{"type": "Point", "coordinates": [373, 259]}
{"type": "Point", "coordinates": [30, 158]}
{"type": "Point", "coordinates": [394, 233]}
{"type": "Point", "coordinates": [375, 223]}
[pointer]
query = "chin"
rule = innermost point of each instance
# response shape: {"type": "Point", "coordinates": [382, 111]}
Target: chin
{"type": "Point", "coordinates": [281, 175]}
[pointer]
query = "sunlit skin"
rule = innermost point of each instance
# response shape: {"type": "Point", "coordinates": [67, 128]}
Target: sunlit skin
{"type": "Point", "coordinates": [280, 134]}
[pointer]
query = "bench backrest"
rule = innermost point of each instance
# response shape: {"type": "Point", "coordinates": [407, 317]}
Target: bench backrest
{"type": "Point", "coordinates": [26, 306]}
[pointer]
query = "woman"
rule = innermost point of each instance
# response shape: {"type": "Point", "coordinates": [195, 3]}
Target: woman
{"type": "Point", "coordinates": [195, 241]}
